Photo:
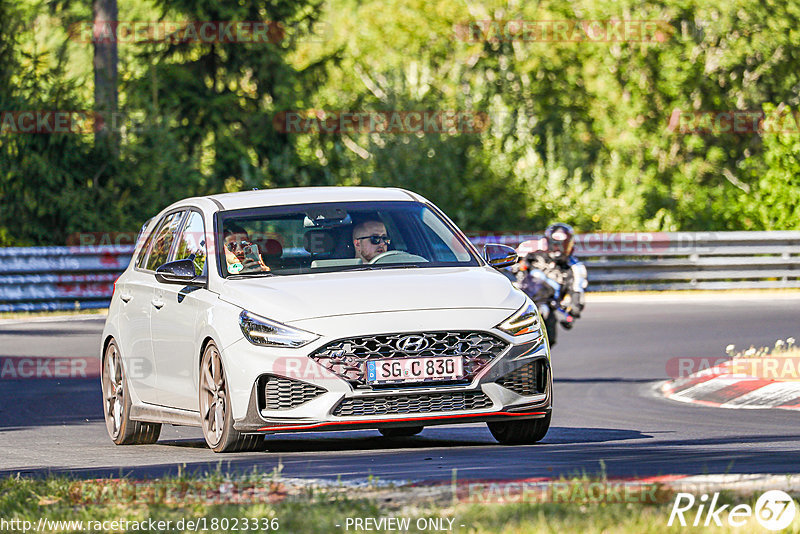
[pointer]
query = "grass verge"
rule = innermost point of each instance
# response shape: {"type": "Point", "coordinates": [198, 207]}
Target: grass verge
{"type": "Point", "coordinates": [214, 503]}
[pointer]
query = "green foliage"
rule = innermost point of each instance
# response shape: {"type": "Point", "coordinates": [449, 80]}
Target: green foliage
{"type": "Point", "coordinates": [775, 180]}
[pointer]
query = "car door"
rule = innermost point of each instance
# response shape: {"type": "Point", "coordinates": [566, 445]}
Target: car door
{"type": "Point", "coordinates": [137, 295]}
{"type": "Point", "coordinates": [174, 325]}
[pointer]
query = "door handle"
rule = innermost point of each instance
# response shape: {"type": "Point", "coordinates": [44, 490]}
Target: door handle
{"type": "Point", "coordinates": [126, 297]}
{"type": "Point", "coordinates": [157, 303]}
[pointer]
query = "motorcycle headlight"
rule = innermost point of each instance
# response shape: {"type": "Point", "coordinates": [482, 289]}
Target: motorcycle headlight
{"type": "Point", "coordinates": [524, 321]}
{"type": "Point", "coordinates": [262, 331]}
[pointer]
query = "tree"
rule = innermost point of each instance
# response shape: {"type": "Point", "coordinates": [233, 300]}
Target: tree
{"type": "Point", "coordinates": [105, 66]}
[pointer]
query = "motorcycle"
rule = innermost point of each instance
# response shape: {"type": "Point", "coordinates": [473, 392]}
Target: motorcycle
{"type": "Point", "coordinates": [547, 293]}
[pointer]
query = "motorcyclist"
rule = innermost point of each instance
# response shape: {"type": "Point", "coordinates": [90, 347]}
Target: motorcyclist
{"type": "Point", "coordinates": [553, 277]}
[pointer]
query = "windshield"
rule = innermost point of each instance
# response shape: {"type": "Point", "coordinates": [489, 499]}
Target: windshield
{"type": "Point", "coordinates": [312, 238]}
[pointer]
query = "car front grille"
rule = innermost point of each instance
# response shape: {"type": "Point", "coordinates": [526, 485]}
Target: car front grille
{"type": "Point", "coordinates": [412, 404]}
{"type": "Point", "coordinates": [281, 393]}
{"type": "Point", "coordinates": [530, 379]}
{"type": "Point", "coordinates": [347, 357]}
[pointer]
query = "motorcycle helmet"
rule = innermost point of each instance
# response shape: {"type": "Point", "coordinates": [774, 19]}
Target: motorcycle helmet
{"type": "Point", "coordinates": [560, 240]}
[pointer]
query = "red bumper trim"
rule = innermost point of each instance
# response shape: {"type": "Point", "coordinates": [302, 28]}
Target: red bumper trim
{"type": "Point", "coordinates": [395, 420]}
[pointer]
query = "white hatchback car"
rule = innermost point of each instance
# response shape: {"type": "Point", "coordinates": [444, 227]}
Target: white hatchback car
{"type": "Point", "coordinates": [312, 309]}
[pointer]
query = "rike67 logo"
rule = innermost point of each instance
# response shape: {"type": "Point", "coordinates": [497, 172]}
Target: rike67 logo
{"type": "Point", "coordinates": [774, 510]}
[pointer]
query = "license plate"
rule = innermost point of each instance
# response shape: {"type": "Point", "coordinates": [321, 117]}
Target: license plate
{"type": "Point", "coordinates": [414, 369]}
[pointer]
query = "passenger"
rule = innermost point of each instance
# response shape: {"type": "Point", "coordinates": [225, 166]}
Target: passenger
{"type": "Point", "coordinates": [370, 240]}
{"type": "Point", "coordinates": [237, 244]}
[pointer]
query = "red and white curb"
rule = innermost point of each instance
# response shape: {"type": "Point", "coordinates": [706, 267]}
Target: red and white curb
{"type": "Point", "coordinates": [720, 387]}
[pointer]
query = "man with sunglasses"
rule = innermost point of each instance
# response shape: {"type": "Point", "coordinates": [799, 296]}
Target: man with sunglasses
{"type": "Point", "coordinates": [237, 245]}
{"type": "Point", "coordinates": [370, 240]}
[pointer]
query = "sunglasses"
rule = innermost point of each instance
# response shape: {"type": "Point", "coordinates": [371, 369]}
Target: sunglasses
{"type": "Point", "coordinates": [233, 244]}
{"type": "Point", "coordinates": [377, 239]}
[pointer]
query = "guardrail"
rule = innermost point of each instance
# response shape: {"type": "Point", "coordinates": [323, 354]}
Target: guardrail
{"type": "Point", "coordinates": [684, 260]}
{"type": "Point", "coordinates": [61, 278]}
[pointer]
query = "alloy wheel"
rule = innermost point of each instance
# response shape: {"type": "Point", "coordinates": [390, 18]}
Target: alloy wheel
{"type": "Point", "coordinates": [213, 396]}
{"type": "Point", "coordinates": [113, 391]}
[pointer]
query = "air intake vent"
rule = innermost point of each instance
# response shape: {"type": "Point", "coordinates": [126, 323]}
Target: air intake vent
{"type": "Point", "coordinates": [282, 393]}
{"type": "Point", "coordinates": [412, 404]}
{"type": "Point", "coordinates": [530, 379]}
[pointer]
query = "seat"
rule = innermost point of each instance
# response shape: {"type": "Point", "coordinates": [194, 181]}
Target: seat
{"type": "Point", "coordinates": [331, 247]}
{"type": "Point", "coordinates": [343, 236]}
{"type": "Point", "coordinates": [320, 243]}
{"type": "Point", "coordinates": [271, 251]}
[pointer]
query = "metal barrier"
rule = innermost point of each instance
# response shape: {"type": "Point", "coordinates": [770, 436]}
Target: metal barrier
{"type": "Point", "coordinates": [61, 278]}
{"type": "Point", "coordinates": [647, 261]}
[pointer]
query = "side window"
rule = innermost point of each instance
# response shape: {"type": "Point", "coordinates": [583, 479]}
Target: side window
{"type": "Point", "coordinates": [162, 242]}
{"type": "Point", "coordinates": [192, 243]}
{"type": "Point", "coordinates": [147, 238]}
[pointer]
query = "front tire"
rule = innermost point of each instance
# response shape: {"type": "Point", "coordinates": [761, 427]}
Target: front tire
{"type": "Point", "coordinates": [551, 325]}
{"type": "Point", "coordinates": [117, 404]}
{"type": "Point", "coordinates": [215, 408]}
{"type": "Point", "coordinates": [523, 432]}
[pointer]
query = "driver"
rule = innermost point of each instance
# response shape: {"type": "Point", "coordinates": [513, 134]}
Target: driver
{"type": "Point", "coordinates": [370, 240]}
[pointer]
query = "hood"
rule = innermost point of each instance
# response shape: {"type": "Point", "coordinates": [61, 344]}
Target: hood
{"type": "Point", "coordinates": [309, 296]}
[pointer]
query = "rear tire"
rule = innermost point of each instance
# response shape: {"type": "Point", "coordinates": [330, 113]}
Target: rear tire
{"type": "Point", "coordinates": [522, 432]}
{"type": "Point", "coordinates": [217, 416]}
{"type": "Point", "coordinates": [401, 432]}
{"type": "Point", "coordinates": [117, 404]}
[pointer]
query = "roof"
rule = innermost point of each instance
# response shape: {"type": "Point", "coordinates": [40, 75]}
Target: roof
{"type": "Point", "coordinates": [304, 195]}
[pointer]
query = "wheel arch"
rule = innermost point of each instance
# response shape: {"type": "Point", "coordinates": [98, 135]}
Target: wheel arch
{"type": "Point", "coordinates": [106, 342]}
{"type": "Point", "coordinates": [206, 341]}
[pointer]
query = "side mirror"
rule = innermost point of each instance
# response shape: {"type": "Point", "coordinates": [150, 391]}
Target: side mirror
{"type": "Point", "coordinates": [176, 272]}
{"type": "Point", "coordinates": [499, 256]}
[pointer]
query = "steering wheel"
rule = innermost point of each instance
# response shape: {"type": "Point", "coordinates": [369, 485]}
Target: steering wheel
{"type": "Point", "coordinates": [387, 254]}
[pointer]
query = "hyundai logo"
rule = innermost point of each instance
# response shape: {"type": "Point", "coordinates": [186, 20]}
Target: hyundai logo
{"type": "Point", "coordinates": [412, 343]}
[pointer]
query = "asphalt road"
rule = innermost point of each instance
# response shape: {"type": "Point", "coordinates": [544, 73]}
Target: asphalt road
{"type": "Point", "coordinates": [607, 415]}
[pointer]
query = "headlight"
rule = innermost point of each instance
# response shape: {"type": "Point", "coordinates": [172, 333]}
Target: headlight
{"type": "Point", "coordinates": [524, 321]}
{"type": "Point", "coordinates": [262, 331]}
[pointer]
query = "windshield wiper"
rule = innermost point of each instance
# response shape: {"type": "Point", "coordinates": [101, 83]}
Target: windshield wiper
{"type": "Point", "coordinates": [380, 266]}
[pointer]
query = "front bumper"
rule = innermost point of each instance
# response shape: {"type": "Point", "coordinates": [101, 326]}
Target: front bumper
{"type": "Point", "coordinates": [498, 393]}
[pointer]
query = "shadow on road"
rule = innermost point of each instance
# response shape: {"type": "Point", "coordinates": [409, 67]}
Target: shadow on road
{"type": "Point", "coordinates": [58, 332]}
{"type": "Point", "coordinates": [441, 437]}
{"type": "Point", "coordinates": [612, 380]}
{"type": "Point", "coordinates": [433, 459]}
{"type": "Point", "coordinates": [48, 402]}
